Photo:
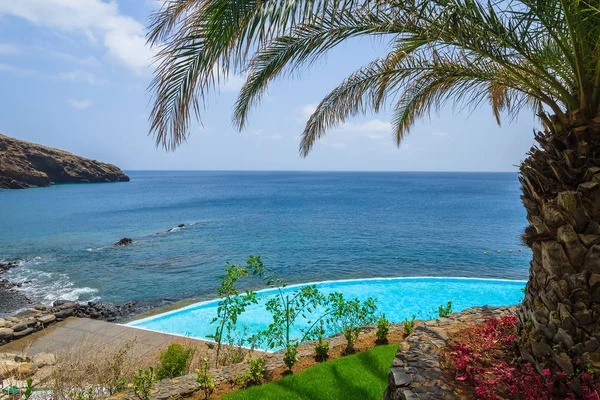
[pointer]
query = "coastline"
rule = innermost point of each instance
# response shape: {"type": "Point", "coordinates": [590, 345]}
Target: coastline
{"type": "Point", "coordinates": [11, 299]}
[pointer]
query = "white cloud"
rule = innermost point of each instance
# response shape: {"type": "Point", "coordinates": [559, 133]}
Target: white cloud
{"type": "Point", "coordinates": [17, 70]}
{"type": "Point", "coordinates": [233, 83]}
{"type": "Point", "coordinates": [89, 61]}
{"type": "Point", "coordinates": [9, 49]}
{"type": "Point", "coordinates": [80, 104]}
{"type": "Point", "coordinates": [80, 76]}
{"type": "Point", "coordinates": [374, 129]}
{"type": "Point", "coordinates": [121, 35]}
{"type": "Point", "coordinates": [374, 125]}
{"type": "Point", "coordinates": [308, 110]}
{"type": "Point", "coordinates": [276, 136]}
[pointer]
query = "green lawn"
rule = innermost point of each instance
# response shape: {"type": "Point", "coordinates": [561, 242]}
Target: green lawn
{"type": "Point", "coordinates": [361, 376]}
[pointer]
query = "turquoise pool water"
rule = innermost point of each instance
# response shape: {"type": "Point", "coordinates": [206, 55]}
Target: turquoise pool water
{"type": "Point", "coordinates": [398, 298]}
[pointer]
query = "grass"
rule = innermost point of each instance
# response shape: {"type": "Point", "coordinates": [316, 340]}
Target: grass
{"type": "Point", "coordinates": [361, 376]}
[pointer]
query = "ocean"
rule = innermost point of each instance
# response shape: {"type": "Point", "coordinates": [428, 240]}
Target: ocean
{"type": "Point", "coordinates": [307, 226]}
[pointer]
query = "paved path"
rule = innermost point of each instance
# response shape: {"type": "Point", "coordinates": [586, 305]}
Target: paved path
{"type": "Point", "coordinates": [74, 332]}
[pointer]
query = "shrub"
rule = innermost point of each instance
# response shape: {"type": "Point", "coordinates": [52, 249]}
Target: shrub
{"type": "Point", "coordinates": [290, 357]}
{"type": "Point", "coordinates": [383, 329]}
{"type": "Point", "coordinates": [285, 307]}
{"type": "Point", "coordinates": [321, 348]}
{"type": "Point", "coordinates": [349, 316]}
{"type": "Point", "coordinates": [409, 325]}
{"type": "Point", "coordinates": [478, 361]}
{"type": "Point", "coordinates": [28, 389]}
{"type": "Point", "coordinates": [174, 361]}
{"type": "Point", "coordinates": [445, 311]}
{"type": "Point", "coordinates": [87, 394]}
{"type": "Point", "coordinates": [142, 383]}
{"type": "Point", "coordinates": [256, 371]}
{"type": "Point", "coordinates": [232, 303]}
{"type": "Point", "coordinates": [204, 380]}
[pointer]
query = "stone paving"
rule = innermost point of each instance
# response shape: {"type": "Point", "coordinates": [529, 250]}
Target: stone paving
{"type": "Point", "coordinates": [75, 331]}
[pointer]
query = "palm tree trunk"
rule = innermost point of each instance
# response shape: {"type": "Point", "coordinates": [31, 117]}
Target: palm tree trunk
{"type": "Point", "coordinates": [560, 317]}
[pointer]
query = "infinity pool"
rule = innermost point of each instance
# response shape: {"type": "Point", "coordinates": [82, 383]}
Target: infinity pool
{"type": "Point", "coordinates": [398, 298]}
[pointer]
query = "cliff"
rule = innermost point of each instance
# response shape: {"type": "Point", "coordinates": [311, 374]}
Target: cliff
{"type": "Point", "coordinates": [24, 164]}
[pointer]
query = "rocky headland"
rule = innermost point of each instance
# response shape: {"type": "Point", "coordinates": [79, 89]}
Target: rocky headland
{"type": "Point", "coordinates": [24, 164]}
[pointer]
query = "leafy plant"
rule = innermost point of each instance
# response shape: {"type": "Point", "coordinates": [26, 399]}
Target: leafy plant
{"type": "Point", "coordinates": [349, 316]}
{"type": "Point", "coordinates": [290, 356]}
{"type": "Point", "coordinates": [117, 381]}
{"type": "Point", "coordinates": [174, 361]}
{"type": "Point", "coordinates": [232, 303]}
{"type": "Point", "coordinates": [28, 389]}
{"type": "Point", "coordinates": [142, 383]}
{"type": "Point", "coordinates": [87, 394]}
{"type": "Point", "coordinates": [409, 325]}
{"type": "Point", "coordinates": [256, 371]}
{"type": "Point", "coordinates": [383, 329]}
{"type": "Point", "coordinates": [285, 308]}
{"type": "Point", "coordinates": [204, 379]}
{"type": "Point", "coordinates": [321, 347]}
{"type": "Point", "coordinates": [445, 311]}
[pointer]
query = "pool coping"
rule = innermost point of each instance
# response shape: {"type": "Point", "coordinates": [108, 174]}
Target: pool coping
{"type": "Point", "coordinates": [299, 285]}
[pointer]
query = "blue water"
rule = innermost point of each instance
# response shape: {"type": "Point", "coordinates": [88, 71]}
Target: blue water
{"type": "Point", "coordinates": [309, 226]}
{"type": "Point", "coordinates": [398, 298]}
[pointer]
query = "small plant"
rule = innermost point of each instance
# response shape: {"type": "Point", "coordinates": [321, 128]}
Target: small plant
{"type": "Point", "coordinates": [232, 303]}
{"type": "Point", "coordinates": [116, 380]}
{"type": "Point", "coordinates": [445, 311]}
{"type": "Point", "coordinates": [204, 380]}
{"type": "Point", "coordinates": [256, 371]}
{"type": "Point", "coordinates": [82, 395]}
{"type": "Point", "coordinates": [285, 308]}
{"type": "Point", "coordinates": [174, 361]}
{"type": "Point", "coordinates": [383, 329]}
{"type": "Point", "coordinates": [28, 389]}
{"type": "Point", "coordinates": [321, 348]}
{"type": "Point", "coordinates": [409, 325]}
{"type": "Point", "coordinates": [349, 316]}
{"type": "Point", "coordinates": [290, 357]}
{"type": "Point", "coordinates": [142, 383]}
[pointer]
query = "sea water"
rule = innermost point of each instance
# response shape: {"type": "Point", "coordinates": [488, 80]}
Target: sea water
{"type": "Point", "coordinates": [307, 226]}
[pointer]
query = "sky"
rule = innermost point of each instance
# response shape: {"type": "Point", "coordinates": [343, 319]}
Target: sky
{"type": "Point", "coordinates": [74, 75]}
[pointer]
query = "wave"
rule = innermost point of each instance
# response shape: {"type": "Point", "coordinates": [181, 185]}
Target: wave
{"type": "Point", "coordinates": [46, 286]}
{"type": "Point", "coordinates": [97, 249]}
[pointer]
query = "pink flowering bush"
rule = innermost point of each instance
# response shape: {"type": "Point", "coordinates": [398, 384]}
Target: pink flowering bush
{"type": "Point", "coordinates": [479, 361]}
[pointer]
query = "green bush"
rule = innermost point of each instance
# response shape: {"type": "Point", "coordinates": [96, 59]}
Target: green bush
{"type": "Point", "coordinates": [290, 357]}
{"type": "Point", "coordinates": [322, 349]}
{"type": "Point", "coordinates": [409, 325]}
{"type": "Point", "coordinates": [383, 329]}
{"type": "Point", "coordinates": [174, 361]}
{"type": "Point", "coordinates": [142, 383]}
{"type": "Point", "coordinates": [204, 380]}
{"type": "Point", "coordinates": [256, 371]}
{"type": "Point", "coordinates": [445, 311]}
{"type": "Point", "coordinates": [350, 316]}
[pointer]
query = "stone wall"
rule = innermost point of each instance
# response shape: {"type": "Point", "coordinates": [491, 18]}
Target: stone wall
{"type": "Point", "coordinates": [416, 372]}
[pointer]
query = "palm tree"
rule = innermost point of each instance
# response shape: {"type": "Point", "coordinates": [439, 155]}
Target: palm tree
{"type": "Point", "coordinates": [539, 55]}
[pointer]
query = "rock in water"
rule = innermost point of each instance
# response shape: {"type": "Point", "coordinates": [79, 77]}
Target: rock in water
{"type": "Point", "coordinates": [124, 242]}
{"type": "Point", "coordinates": [24, 164]}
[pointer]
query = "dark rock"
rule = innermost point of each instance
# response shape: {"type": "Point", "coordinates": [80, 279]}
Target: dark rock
{"type": "Point", "coordinates": [180, 225]}
{"type": "Point", "coordinates": [399, 378]}
{"type": "Point", "coordinates": [24, 164]}
{"type": "Point", "coordinates": [124, 242]}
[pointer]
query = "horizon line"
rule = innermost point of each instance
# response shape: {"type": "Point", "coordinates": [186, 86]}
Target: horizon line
{"type": "Point", "coordinates": [313, 170]}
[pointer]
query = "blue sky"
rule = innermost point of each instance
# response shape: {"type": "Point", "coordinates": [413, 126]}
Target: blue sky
{"type": "Point", "coordinates": [74, 75]}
